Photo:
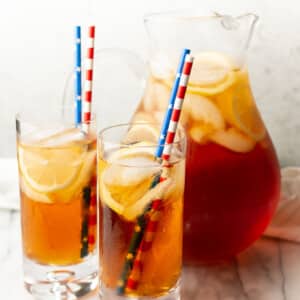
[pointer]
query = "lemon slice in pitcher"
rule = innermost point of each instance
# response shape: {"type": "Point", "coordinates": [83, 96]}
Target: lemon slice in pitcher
{"type": "Point", "coordinates": [212, 73]}
{"type": "Point", "coordinates": [239, 109]}
{"type": "Point", "coordinates": [48, 169]}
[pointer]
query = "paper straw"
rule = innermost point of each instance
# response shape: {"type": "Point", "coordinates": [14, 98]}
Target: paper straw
{"type": "Point", "coordinates": [88, 84]}
{"type": "Point", "coordinates": [77, 75]}
{"type": "Point", "coordinates": [144, 231]}
{"type": "Point", "coordinates": [167, 118]}
{"type": "Point", "coordinates": [173, 124]}
{"type": "Point", "coordinates": [86, 193]}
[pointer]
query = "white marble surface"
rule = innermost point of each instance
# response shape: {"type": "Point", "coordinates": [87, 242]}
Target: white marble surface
{"type": "Point", "coordinates": [269, 270]}
{"type": "Point", "coordinates": [11, 284]}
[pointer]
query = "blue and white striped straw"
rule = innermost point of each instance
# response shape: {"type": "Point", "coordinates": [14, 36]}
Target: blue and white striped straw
{"type": "Point", "coordinates": [78, 87]}
{"type": "Point", "coordinates": [163, 133]}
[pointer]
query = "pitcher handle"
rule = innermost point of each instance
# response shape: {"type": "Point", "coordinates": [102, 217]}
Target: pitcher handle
{"type": "Point", "coordinates": [108, 63]}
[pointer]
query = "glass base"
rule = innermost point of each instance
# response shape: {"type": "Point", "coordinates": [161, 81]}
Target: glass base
{"type": "Point", "coordinates": [61, 282]}
{"type": "Point", "coordinates": [110, 294]}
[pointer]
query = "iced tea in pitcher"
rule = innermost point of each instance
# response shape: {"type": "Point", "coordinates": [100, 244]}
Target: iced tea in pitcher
{"type": "Point", "coordinates": [232, 174]}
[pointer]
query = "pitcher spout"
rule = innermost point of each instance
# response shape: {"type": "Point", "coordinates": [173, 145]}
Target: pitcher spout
{"type": "Point", "coordinates": [168, 32]}
{"type": "Point", "coordinates": [245, 23]}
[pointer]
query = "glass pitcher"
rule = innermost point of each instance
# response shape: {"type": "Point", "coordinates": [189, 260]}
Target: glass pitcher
{"type": "Point", "coordinates": [232, 174]}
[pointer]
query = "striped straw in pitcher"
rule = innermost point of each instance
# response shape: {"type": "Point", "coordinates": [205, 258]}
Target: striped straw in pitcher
{"type": "Point", "coordinates": [168, 115]}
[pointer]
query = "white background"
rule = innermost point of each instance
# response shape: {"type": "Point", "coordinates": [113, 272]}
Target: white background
{"type": "Point", "coordinates": [36, 54]}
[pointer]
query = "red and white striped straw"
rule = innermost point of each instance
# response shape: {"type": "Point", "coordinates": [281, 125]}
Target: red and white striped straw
{"type": "Point", "coordinates": [88, 84]}
{"type": "Point", "coordinates": [177, 107]}
{"type": "Point", "coordinates": [155, 212]}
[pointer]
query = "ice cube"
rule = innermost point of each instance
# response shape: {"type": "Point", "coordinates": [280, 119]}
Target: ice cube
{"type": "Point", "coordinates": [130, 171]}
{"type": "Point", "coordinates": [63, 137]}
{"type": "Point", "coordinates": [53, 137]}
{"type": "Point", "coordinates": [233, 140]}
{"type": "Point", "coordinates": [162, 66]}
{"type": "Point", "coordinates": [201, 109]}
{"type": "Point", "coordinates": [197, 134]}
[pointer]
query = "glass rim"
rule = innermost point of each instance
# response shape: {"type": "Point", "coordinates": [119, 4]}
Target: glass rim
{"type": "Point", "coordinates": [177, 141]}
{"type": "Point", "coordinates": [28, 116]}
{"type": "Point", "coordinates": [190, 14]}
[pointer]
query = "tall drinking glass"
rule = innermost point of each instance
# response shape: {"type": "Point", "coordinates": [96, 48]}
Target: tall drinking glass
{"type": "Point", "coordinates": [127, 168]}
{"type": "Point", "coordinates": [57, 176]}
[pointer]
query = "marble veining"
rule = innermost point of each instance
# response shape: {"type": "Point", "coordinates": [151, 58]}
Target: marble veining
{"type": "Point", "coordinates": [269, 270]}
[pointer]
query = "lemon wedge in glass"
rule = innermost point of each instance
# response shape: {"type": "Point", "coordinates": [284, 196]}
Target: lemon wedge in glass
{"type": "Point", "coordinates": [47, 169]}
{"type": "Point", "coordinates": [125, 180]}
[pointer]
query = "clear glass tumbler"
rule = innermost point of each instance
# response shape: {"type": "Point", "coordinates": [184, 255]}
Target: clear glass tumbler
{"type": "Point", "coordinates": [140, 214]}
{"type": "Point", "coordinates": [57, 176]}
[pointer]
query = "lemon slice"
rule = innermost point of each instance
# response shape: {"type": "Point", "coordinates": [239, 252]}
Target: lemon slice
{"type": "Point", "coordinates": [233, 140]}
{"type": "Point", "coordinates": [158, 192]}
{"type": "Point", "coordinates": [239, 109]}
{"type": "Point", "coordinates": [82, 180]}
{"type": "Point", "coordinates": [48, 169]}
{"type": "Point", "coordinates": [214, 89]}
{"type": "Point", "coordinates": [130, 201]}
{"type": "Point", "coordinates": [212, 74]}
{"type": "Point", "coordinates": [122, 186]}
{"type": "Point", "coordinates": [34, 195]}
{"type": "Point", "coordinates": [125, 181]}
{"type": "Point", "coordinates": [108, 199]}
